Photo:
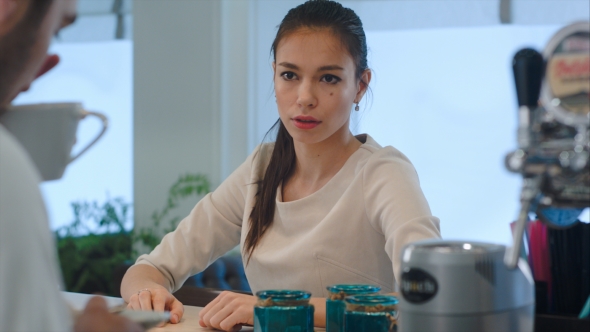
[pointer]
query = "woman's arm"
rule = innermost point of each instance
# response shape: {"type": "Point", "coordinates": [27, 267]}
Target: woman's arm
{"type": "Point", "coordinates": [395, 204]}
{"type": "Point", "coordinates": [145, 288]}
{"type": "Point", "coordinates": [211, 229]}
{"type": "Point", "coordinates": [319, 314]}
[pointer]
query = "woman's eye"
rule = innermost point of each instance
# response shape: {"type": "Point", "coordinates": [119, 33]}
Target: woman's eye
{"type": "Point", "coordinates": [289, 75]}
{"type": "Point", "coordinates": [331, 79]}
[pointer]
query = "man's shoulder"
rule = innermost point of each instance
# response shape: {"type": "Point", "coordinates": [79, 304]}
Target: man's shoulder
{"type": "Point", "coordinates": [20, 198]}
{"type": "Point", "coordinates": [29, 272]}
{"type": "Point", "coordinates": [14, 160]}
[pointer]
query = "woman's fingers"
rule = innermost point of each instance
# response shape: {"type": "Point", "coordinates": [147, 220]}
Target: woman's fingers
{"type": "Point", "coordinates": [213, 309]}
{"type": "Point", "coordinates": [228, 312]}
{"type": "Point", "coordinates": [217, 317]}
{"type": "Point", "coordinates": [157, 300]}
{"type": "Point", "coordinates": [235, 320]}
{"type": "Point", "coordinates": [134, 303]}
{"type": "Point", "coordinates": [145, 300]}
{"type": "Point", "coordinates": [208, 307]}
{"type": "Point", "coordinates": [176, 309]}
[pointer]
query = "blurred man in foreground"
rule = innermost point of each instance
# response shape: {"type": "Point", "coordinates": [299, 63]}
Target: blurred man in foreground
{"type": "Point", "coordinates": [30, 299]}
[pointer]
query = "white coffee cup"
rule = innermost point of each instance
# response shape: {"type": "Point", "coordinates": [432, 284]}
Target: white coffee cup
{"type": "Point", "coordinates": [48, 133]}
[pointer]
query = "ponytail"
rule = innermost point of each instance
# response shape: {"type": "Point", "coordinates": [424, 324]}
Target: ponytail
{"type": "Point", "coordinates": [279, 169]}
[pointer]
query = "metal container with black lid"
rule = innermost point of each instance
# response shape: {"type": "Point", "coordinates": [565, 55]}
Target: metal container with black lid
{"type": "Point", "coordinates": [463, 286]}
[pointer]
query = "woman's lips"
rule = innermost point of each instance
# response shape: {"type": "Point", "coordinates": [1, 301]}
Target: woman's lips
{"type": "Point", "coordinates": [305, 122]}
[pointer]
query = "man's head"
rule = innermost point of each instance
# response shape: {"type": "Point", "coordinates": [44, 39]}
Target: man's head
{"type": "Point", "coordinates": [26, 29]}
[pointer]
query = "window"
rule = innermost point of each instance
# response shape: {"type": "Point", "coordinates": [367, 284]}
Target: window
{"type": "Point", "coordinates": [446, 99]}
{"type": "Point", "coordinates": [98, 74]}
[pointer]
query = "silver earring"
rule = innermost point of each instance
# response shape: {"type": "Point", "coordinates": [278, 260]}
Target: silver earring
{"type": "Point", "coordinates": [356, 108]}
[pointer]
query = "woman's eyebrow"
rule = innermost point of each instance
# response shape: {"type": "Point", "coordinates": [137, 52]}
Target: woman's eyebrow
{"type": "Point", "coordinates": [322, 68]}
{"type": "Point", "coordinates": [330, 67]}
{"type": "Point", "coordinates": [288, 65]}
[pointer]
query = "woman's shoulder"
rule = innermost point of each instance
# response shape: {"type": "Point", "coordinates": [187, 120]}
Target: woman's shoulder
{"type": "Point", "coordinates": [387, 166]}
{"type": "Point", "coordinates": [375, 154]}
{"type": "Point", "coordinates": [259, 159]}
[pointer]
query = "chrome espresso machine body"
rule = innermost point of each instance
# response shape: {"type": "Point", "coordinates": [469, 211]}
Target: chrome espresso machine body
{"type": "Point", "coordinates": [463, 286]}
{"type": "Point", "coordinates": [554, 130]}
{"type": "Point", "coordinates": [472, 286]}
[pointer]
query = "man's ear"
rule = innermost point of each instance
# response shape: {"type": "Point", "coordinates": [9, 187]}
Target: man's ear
{"type": "Point", "coordinates": [11, 12]}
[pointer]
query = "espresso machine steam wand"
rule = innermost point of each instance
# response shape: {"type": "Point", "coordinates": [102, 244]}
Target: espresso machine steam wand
{"type": "Point", "coordinates": [528, 67]}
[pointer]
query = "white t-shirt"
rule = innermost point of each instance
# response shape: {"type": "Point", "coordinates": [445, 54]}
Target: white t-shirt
{"type": "Point", "coordinates": [352, 230]}
{"type": "Point", "coordinates": [30, 298]}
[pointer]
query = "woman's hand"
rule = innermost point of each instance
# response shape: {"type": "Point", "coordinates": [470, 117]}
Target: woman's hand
{"type": "Point", "coordinates": [157, 299]}
{"type": "Point", "coordinates": [228, 312]}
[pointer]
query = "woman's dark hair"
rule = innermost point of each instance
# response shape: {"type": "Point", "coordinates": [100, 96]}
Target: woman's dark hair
{"type": "Point", "coordinates": [313, 14]}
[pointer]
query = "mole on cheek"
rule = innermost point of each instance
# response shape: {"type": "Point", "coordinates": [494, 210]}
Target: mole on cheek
{"type": "Point", "coordinates": [331, 93]}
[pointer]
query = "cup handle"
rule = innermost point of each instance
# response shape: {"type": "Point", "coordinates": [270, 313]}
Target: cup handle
{"type": "Point", "coordinates": [105, 124]}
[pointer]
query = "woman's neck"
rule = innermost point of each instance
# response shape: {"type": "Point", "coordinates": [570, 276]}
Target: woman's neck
{"type": "Point", "coordinates": [317, 163]}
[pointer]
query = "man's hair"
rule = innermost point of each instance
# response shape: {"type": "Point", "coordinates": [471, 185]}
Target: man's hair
{"type": "Point", "coordinates": [16, 44]}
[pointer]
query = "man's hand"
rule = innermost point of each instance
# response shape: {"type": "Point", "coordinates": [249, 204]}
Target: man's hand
{"type": "Point", "coordinates": [228, 312]}
{"type": "Point", "coordinates": [157, 299]}
{"type": "Point", "coordinates": [97, 318]}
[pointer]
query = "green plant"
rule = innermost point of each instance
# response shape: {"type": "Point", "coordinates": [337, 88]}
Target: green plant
{"type": "Point", "coordinates": [186, 186]}
{"type": "Point", "coordinates": [94, 245]}
{"type": "Point", "coordinates": [89, 217]}
{"type": "Point", "coordinates": [99, 240]}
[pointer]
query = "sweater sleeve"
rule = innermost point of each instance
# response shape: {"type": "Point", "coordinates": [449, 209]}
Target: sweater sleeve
{"type": "Point", "coordinates": [395, 204]}
{"type": "Point", "coordinates": [211, 229]}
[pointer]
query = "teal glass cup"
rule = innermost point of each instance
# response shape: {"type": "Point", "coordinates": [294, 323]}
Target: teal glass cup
{"type": "Point", "coordinates": [370, 313]}
{"type": "Point", "coordinates": [283, 310]}
{"type": "Point", "coordinates": [335, 305]}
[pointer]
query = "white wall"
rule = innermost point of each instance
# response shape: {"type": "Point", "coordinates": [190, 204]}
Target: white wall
{"type": "Point", "coordinates": [177, 115]}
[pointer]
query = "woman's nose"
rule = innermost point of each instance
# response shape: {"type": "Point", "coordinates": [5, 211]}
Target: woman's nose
{"type": "Point", "coordinates": [306, 97]}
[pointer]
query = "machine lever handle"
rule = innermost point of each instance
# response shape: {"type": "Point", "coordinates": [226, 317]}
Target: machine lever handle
{"type": "Point", "coordinates": [528, 67]}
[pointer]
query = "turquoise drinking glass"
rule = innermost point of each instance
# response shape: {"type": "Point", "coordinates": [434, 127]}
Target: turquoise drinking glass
{"type": "Point", "coordinates": [370, 313]}
{"type": "Point", "coordinates": [335, 305]}
{"type": "Point", "coordinates": [283, 310]}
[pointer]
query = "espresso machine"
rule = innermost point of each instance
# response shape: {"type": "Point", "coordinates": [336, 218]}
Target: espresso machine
{"type": "Point", "coordinates": [553, 133]}
{"type": "Point", "coordinates": [473, 286]}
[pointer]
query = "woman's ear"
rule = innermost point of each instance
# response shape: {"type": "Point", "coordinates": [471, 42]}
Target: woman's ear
{"type": "Point", "coordinates": [363, 85]}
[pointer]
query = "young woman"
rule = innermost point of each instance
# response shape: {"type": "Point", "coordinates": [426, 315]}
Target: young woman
{"type": "Point", "coordinates": [318, 207]}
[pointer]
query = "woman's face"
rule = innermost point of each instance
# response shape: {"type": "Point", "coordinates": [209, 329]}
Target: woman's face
{"type": "Point", "coordinates": [315, 86]}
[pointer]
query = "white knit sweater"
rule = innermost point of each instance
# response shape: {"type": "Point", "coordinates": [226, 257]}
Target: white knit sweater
{"type": "Point", "coordinates": [352, 230]}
